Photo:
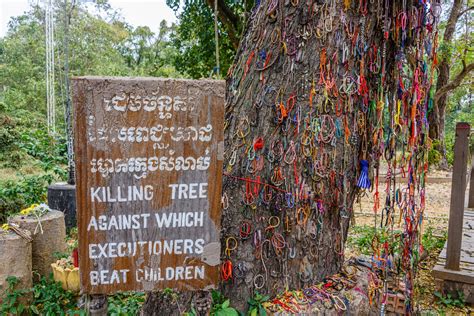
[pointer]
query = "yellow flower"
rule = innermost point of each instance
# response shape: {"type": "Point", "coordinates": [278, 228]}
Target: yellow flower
{"type": "Point", "coordinates": [5, 227]}
{"type": "Point", "coordinates": [28, 210]}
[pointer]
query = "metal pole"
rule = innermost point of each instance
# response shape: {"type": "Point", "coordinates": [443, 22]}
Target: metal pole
{"type": "Point", "coordinates": [216, 35]}
{"type": "Point", "coordinates": [68, 111]}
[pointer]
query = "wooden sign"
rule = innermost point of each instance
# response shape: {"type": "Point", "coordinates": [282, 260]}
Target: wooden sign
{"type": "Point", "coordinates": [149, 156]}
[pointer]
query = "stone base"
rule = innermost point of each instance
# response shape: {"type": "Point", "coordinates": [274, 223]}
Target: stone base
{"type": "Point", "coordinates": [453, 288]}
{"type": "Point", "coordinates": [15, 260]}
{"type": "Point", "coordinates": [97, 305]}
{"type": "Point", "coordinates": [53, 239]}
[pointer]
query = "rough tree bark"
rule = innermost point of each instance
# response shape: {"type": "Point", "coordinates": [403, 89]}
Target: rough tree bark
{"type": "Point", "coordinates": [285, 95]}
{"type": "Point", "coordinates": [304, 105]}
{"type": "Point", "coordinates": [438, 113]}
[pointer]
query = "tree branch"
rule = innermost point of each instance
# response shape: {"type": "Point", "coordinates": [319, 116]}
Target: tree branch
{"type": "Point", "coordinates": [452, 20]}
{"type": "Point", "coordinates": [453, 84]}
{"type": "Point", "coordinates": [465, 10]}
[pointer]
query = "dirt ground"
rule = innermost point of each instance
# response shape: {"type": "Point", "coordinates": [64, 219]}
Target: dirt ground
{"type": "Point", "coordinates": [438, 196]}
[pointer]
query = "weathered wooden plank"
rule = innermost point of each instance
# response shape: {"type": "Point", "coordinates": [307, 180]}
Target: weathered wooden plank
{"type": "Point", "coordinates": [458, 189]}
{"type": "Point", "coordinates": [470, 202]}
{"type": "Point", "coordinates": [463, 276]}
{"type": "Point", "coordinates": [468, 224]}
{"type": "Point", "coordinates": [468, 214]}
{"type": "Point", "coordinates": [467, 249]}
{"type": "Point", "coordinates": [464, 262]}
{"type": "Point", "coordinates": [463, 266]}
{"type": "Point", "coordinates": [465, 259]}
{"type": "Point", "coordinates": [149, 156]}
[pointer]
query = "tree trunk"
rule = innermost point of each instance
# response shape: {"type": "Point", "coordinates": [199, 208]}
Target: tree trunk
{"type": "Point", "coordinates": [437, 115]}
{"type": "Point", "coordinates": [305, 106]}
{"type": "Point", "coordinates": [162, 303]}
{"type": "Point", "coordinates": [442, 102]}
{"type": "Point", "coordinates": [291, 170]}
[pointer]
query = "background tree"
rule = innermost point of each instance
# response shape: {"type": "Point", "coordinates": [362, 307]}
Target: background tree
{"type": "Point", "coordinates": [100, 43]}
{"type": "Point", "coordinates": [195, 35]}
{"type": "Point", "coordinates": [455, 64]}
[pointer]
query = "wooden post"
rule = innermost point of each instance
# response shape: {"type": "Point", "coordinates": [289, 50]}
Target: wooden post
{"type": "Point", "coordinates": [470, 203]}
{"type": "Point", "coordinates": [458, 189]}
{"type": "Point", "coordinates": [97, 305]}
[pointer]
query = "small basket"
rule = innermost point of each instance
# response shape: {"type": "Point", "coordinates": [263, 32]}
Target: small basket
{"type": "Point", "coordinates": [69, 278]}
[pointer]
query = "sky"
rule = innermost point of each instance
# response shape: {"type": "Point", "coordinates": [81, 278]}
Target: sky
{"type": "Point", "coordinates": [136, 12]}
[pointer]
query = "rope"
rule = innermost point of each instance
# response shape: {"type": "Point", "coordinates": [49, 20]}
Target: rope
{"type": "Point", "coordinates": [216, 34]}
{"type": "Point", "coordinates": [20, 232]}
{"type": "Point", "coordinates": [38, 227]}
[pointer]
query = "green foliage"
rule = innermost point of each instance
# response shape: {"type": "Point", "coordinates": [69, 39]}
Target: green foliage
{"type": "Point", "coordinates": [457, 53]}
{"type": "Point", "coordinates": [31, 147]}
{"type": "Point", "coordinates": [434, 155]}
{"type": "Point", "coordinates": [362, 237]}
{"type": "Point", "coordinates": [18, 194]}
{"type": "Point", "coordinates": [125, 303]}
{"type": "Point", "coordinates": [8, 137]}
{"type": "Point", "coordinates": [450, 301]}
{"type": "Point", "coordinates": [460, 109]}
{"type": "Point", "coordinates": [196, 42]}
{"type": "Point", "coordinates": [36, 150]}
{"type": "Point", "coordinates": [60, 255]}
{"type": "Point", "coordinates": [49, 298]}
{"type": "Point", "coordinates": [192, 312]}
{"type": "Point", "coordinates": [11, 301]}
{"type": "Point", "coordinates": [150, 54]}
{"type": "Point", "coordinates": [432, 243]}
{"type": "Point", "coordinates": [221, 305]}
{"type": "Point", "coordinates": [449, 143]}
{"type": "Point", "coordinates": [99, 44]}
{"type": "Point", "coordinates": [256, 305]}
{"type": "Point", "coordinates": [22, 64]}
{"type": "Point", "coordinates": [49, 151]}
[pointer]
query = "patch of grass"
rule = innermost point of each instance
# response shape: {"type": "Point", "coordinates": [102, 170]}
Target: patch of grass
{"type": "Point", "coordinates": [48, 298]}
{"type": "Point", "coordinates": [449, 300]}
{"type": "Point", "coordinates": [8, 174]}
{"type": "Point", "coordinates": [51, 299]}
{"type": "Point", "coordinates": [11, 304]}
{"type": "Point", "coordinates": [221, 305]}
{"type": "Point", "coordinates": [125, 303]}
{"type": "Point", "coordinates": [434, 243]}
{"type": "Point", "coordinates": [362, 237]}
{"type": "Point", "coordinates": [15, 174]}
